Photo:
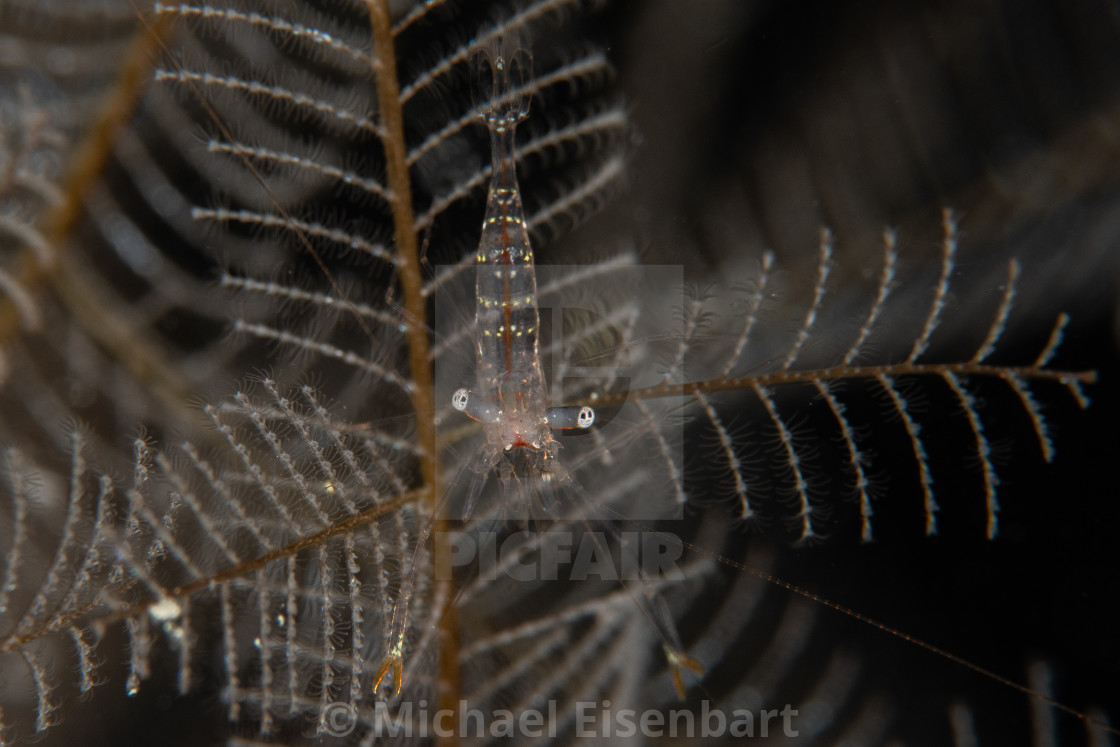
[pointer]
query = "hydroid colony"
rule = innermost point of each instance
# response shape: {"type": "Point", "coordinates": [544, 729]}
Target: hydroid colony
{"type": "Point", "coordinates": [295, 175]}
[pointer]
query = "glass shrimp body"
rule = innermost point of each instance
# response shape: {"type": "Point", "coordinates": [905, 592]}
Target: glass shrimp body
{"type": "Point", "coordinates": [510, 376]}
{"type": "Point", "coordinates": [511, 396]}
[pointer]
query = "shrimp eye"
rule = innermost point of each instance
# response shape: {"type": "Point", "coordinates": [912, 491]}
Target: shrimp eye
{"type": "Point", "coordinates": [459, 399]}
{"type": "Point", "coordinates": [586, 417]}
{"type": "Point", "coordinates": [569, 416]}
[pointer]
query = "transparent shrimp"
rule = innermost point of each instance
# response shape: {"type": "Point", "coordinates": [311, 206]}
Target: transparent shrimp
{"type": "Point", "coordinates": [511, 394]}
{"type": "Point", "coordinates": [510, 398]}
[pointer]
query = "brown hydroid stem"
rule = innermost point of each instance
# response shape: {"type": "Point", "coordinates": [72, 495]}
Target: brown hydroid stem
{"type": "Point", "coordinates": [849, 373]}
{"type": "Point", "coordinates": [412, 290]}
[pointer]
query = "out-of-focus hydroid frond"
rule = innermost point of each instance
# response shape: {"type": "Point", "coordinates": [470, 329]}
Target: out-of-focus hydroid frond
{"type": "Point", "coordinates": [789, 461]}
